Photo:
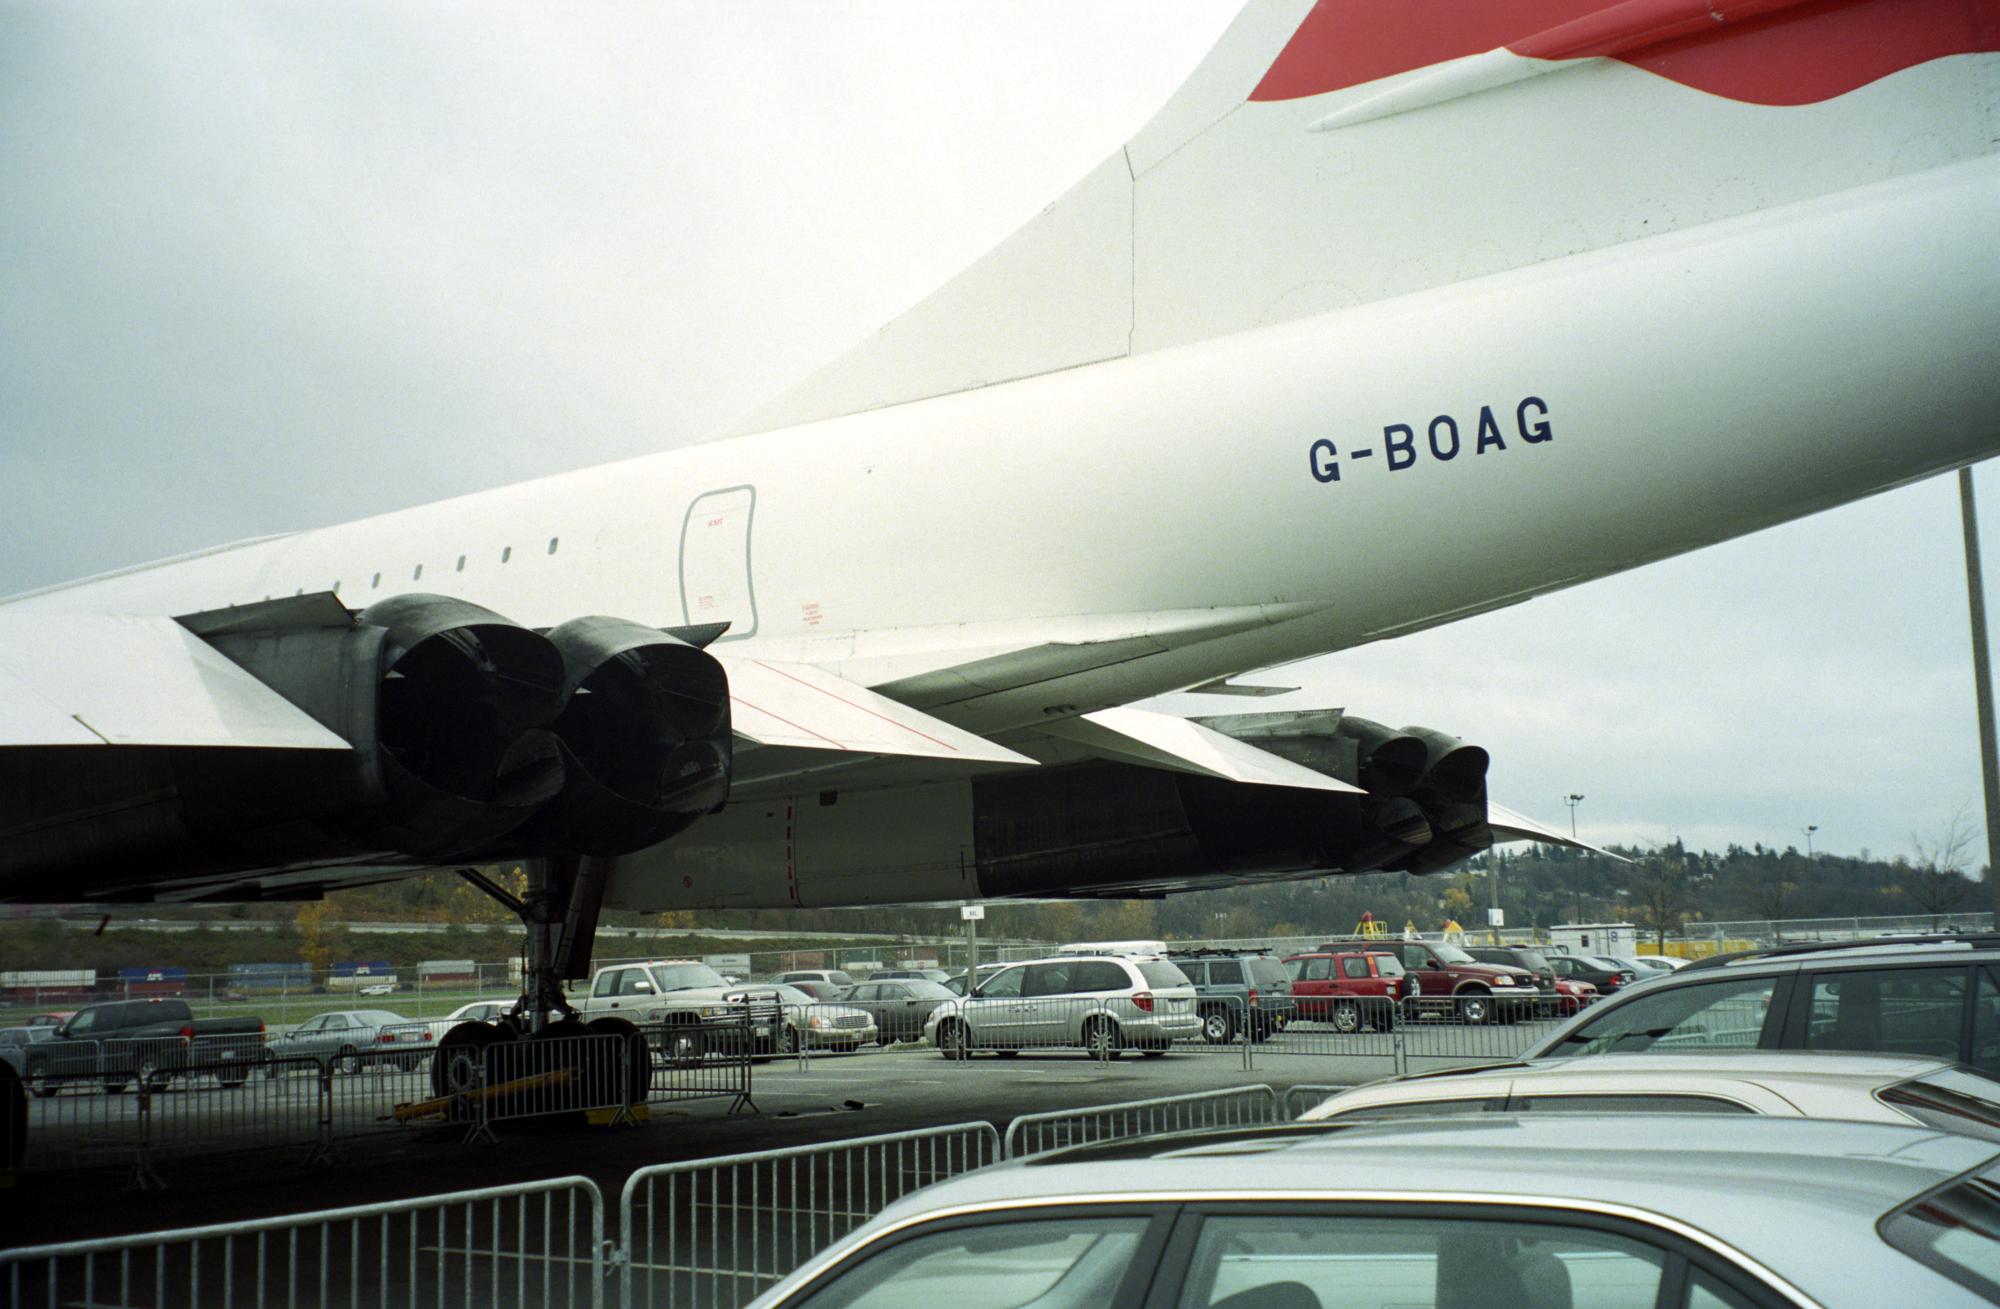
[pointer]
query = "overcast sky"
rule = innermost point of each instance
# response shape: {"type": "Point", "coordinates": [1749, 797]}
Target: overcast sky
{"type": "Point", "coordinates": [274, 266]}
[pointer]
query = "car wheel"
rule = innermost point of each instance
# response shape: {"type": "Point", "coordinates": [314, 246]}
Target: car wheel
{"type": "Point", "coordinates": [1346, 1018]}
{"type": "Point", "coordinates": [683, 1046]}
{"type": "Point", "coordinates": [41, 1082]}
{"type": "Point", "coordinates": [951, 1041]}
{"type": "Point", "coordinates": [348, 1058]}
{"type": "Point", "coordinates": [788, 1044]}
{"type": "Point", "coordinates": [1217, 1026]}
{"type": "Point", "coordinates": [1101, 1038]}
{"type": "Point", "coordinates": [1475, 1007]}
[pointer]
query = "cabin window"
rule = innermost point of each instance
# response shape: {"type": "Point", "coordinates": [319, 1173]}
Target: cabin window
{"type": "Point", "coordinates": [377, 582]}
{"type": "Point", "coordinates": [506, 553]}
{"type": "Point", "coordinates": [419, 572]}
{"type": "Point", "coordinates": [553, 541]}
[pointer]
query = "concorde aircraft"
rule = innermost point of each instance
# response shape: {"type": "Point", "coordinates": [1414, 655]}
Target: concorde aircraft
{"type": "Point", "coordinates": [1398, 311]}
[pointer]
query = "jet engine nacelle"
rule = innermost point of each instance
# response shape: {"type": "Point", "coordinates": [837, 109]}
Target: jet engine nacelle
{"type": "Point", "coordinates": [473, 739]}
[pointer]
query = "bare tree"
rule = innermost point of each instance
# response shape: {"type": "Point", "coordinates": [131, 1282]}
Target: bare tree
{"type": "Point", "coordinates": [1661, 892]}
{"type": "Point", "coordinates": [1936, 880]}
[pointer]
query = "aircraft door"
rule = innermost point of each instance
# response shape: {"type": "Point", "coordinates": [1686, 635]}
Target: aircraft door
{"type": "Point", "coordinates": [715, 561]}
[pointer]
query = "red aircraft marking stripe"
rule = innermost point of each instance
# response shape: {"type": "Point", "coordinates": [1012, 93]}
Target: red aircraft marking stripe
{"type": "Point", "coordinates": [1792, 55]}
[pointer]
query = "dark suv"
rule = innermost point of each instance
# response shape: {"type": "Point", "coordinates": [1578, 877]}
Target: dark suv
{"type": "Point", "coordinates": [1455, 983]}
{"type": "Point", "coordinates": [1234, 986]}
{"type": "Point", "coordinates": [1931, 996]}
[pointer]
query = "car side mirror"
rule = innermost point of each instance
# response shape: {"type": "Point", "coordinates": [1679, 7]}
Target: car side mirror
{"type": "Point", "coordinates": [1433, 964]}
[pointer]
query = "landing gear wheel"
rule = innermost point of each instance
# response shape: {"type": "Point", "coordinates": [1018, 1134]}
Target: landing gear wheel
{"type": "Point", "coordinates": [13, 1120]}
{"type": "Point", "coordinates": [1346, 1018]}
{"type": "Point", "coordinates": [1218, 1026]}
{"type": "Point", "coordinates": [635, 1059]}
{"type": "Point", "coordinates": [460, 1062]}
{"type": "Point", "coordinates": [1102, 1039]}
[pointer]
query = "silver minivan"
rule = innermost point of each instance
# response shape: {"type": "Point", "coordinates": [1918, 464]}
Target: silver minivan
{"type": "Point", "coordinates": [1104, 1004]}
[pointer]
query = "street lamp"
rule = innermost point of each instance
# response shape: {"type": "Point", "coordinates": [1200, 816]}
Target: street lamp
{"type": "Point", "coordinates": [1575, 857]}
{"type": "Point", "coordinates": [1810, 829]}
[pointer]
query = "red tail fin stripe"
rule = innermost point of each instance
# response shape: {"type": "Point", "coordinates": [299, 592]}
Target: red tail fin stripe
{"type": "Point", "coordinates": [1770, 52]}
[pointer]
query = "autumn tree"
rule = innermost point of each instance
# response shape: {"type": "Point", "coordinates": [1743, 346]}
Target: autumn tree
{"type": "Point", "coordinates": [1663, 896]}
{"type": "Point", "coordinates": [316, 927]}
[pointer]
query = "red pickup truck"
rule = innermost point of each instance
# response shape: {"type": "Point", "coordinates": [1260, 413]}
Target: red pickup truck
{"type": "Point", "coordinates": [1349, 988]}
{"type": "Point", "coordinates": [1457, 985]}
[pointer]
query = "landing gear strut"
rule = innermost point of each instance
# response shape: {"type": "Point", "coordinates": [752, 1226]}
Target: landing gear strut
{"type": "Point", "coordinates": [559, 908]}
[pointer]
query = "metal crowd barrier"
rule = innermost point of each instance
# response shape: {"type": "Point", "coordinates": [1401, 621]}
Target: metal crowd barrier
{"type": "Point", "coordinates": [1236, 1106]}
{"type": "Point", "coordinates": [717, 1232]}
{"type": "Point", "coordinates": [523, 1247]}
{"type": "Point", "coordinates": [1300, 1098]}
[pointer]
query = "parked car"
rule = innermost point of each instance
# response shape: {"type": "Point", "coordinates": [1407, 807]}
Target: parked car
{"type": "Point", "coordinates": [1548, 998]}
{"type": "Point", "coordinates": [1105, 1004]}
{"type": "Point", "coordinates": [48, 1020]}
{"type": "Point", "coordinates": [1572, 997]}
{"type": "Point", "coordinates": [1666, 961]}
{"type": "Point", "coordinates": [815, 988]}
{"type": "Point", "coordinates": [938, 975]}
{"type": "Point", "coordinates": [897, 1006]}
{"type": "Point", "coordinates": [800, 1018]}
{"type": "Point", "coordinates": [1454, 983]}
{"type": "Point", "coordinates": [354, 1039]}
{"type": "Point", "coordinates": [1601, 973]}
{"type": "Point", "coordinates": [1237, 986]}
{"type": "Point", "coordinates": [836, 978]}
{"type": "Point", "coordinates": [956, 982]}
{"type": "Point", "coordinates": [1502, 1212]}
{"type": "Point", "coordinates": [1776, 1083]}
{"type": "Point", "coordinates": [148, 1041]}
{"type": "Point", "coordinates": [1351, 989]}
{"type": "Point", "coordinates": [1925, 996]}
{"type": "Point", "coordinates": [479, 1011]}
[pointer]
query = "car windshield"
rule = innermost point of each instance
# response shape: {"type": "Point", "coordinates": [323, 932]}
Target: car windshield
{"type": "Point", "coordinates": [1725, 1014]}
{"type": "Point", "coordinates": [685, 977]}
{"type": "Point", "coordinates": [1956, 1230]}
{"type": "Point", "coordinates": [1532, 961]}
{"type": "Point", "coordinates": [1158, 972]}
{"type": "Point", "coordinates": [1451, 954]}
{"type": "Point", "coordinates": [1952, 1100]}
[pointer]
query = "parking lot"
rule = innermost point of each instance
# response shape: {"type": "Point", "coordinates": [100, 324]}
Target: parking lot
{"type": "Point", "coordinates": [250, 1151]}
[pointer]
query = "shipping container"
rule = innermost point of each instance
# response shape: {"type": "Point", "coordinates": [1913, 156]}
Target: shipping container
{"type": "Point", "coordinates": [152, 981]}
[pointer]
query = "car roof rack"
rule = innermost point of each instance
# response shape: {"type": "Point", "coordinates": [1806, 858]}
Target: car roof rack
{"type": "Point", "coordinates": [1211, 952]}
{"type": "Point", "coordinates": [1975, 940]}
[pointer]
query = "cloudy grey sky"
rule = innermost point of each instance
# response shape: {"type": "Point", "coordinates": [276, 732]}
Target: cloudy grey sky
{"type": "Point", "coordinates": [271, 266]}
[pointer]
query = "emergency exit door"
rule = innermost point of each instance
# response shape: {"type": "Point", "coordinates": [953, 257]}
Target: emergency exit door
{"type": "Point", "coordinates": [715, 561]}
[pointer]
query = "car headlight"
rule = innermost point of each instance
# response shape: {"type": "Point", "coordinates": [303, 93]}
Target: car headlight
{"type": "Point", "coordinates": [819, 1024]}
{"type": "Point", "coordinates": [717, 1010]}
{"type": "Point", "coordinates": [1503, 981]}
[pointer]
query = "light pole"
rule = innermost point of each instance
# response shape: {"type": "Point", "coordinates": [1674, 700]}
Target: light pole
{"type": "Point", "coordinates": [1810, 829]}
{"type": "Point", "coordinates": [1575, 856]}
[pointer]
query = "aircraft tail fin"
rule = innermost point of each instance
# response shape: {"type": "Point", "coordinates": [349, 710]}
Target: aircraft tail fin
{"type": "Point", "coordinates": [1333, 154]}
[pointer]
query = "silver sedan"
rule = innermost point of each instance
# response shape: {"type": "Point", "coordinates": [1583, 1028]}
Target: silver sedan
{"type": "Point", "coordinates": [1626, 1211]}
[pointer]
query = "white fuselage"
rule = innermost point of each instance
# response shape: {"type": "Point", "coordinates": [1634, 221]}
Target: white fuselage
{"type": "Point", "coordinates": [1643, 400]}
